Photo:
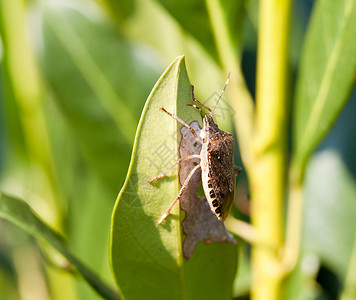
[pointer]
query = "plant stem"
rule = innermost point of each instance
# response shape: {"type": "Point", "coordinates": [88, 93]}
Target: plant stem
{"type": "Point", "coordinates": [294, 222]}
{"type": "Point", "coordinates": [245, 231]}
{"type": "Point", "coordinates": [269, 171]}
{"type": "Point", "coordinates": [349, 291]}
{"type": "Point", "coordinates": [242, 101]}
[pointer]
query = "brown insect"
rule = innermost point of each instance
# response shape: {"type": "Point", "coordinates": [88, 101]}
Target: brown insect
{"type": "Point", "coordinates": [216, 162]}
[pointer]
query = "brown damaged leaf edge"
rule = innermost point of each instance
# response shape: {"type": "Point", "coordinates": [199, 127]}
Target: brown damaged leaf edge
{"type": "Point", "coordinates": [200, 223]}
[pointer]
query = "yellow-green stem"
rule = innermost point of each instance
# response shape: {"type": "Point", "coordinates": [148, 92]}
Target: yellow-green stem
{"type": "Point", "coordinates": [349, 291]}
{"type": "Point", "coordinates": [269, 169]}
{"type": "Point", "coordinates": [294, 222]}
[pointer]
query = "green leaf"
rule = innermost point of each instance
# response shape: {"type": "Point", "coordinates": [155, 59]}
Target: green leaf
{"type": "Point", "coordinates": [121, 10]}
{"type": "Point", "coordinates": [326, 73]}
{"type": "Point", "coordinates": [329, 215]}
{"type": "Point", "coordinates": [19, 213]}
{"type": "Point", "coordinates": [147, 259]}
{"type": "Point", "coordinates": [330, 192]}
{"type": "Point", "coordinates": [193, 17]}
{"type": "Point", "coordinates": [330, 210]}
{"type": "Point", "coordinates": [99, 81]}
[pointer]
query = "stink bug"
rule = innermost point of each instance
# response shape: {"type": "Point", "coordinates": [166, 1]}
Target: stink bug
{"type": "Point", "coordinates": [216, 162]}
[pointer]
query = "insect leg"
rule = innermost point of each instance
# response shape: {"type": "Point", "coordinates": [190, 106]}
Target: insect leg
{"type": "Point", "coordinates": [198, 108]}
{"type": "Point", "coordinates": [238, 170]}
{"type": "Point", "coordinates": [197, 101]}
{"type": "Point", "coordinates": [172, 166]}
{"type": "Point", "coordinates": [182, 122]}
{"type": "Point", "coordinates": [185, 184]}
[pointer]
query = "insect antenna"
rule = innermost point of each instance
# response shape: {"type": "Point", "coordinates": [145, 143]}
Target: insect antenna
{"type": "Point", "coordinates": [222, 92]}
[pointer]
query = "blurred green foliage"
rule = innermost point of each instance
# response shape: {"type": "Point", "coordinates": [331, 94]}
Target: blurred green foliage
{"type": "Point", "coordinates": [74, 79]}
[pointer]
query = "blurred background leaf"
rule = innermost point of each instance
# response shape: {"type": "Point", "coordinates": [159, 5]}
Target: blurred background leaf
{"type": "Point", "coordinates": [20, 214]}
{"type": "Point", "coordinates": [327, 73]}
{"type": "Point", "coordinates": [94, 74]}
{"type": "Point", "coordinates": [325, 82]}
{"type": "Point", "coordinates": [194, 19]}
{"type": "Point", "coordinates": [329, 214]}
{"type": "Point", "coordinates": [330, 225]}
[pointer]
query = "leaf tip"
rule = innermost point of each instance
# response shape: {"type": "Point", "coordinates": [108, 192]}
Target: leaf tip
{"type": "Point", "coordinates": [180, 58]}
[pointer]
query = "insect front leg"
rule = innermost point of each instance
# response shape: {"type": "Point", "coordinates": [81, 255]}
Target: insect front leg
{"type": "Point", "coordinates": [197, 101]}
{"type": "Point", "coordinates": [182, 122]}
{"type": "Point", "coordinates": [172, 166]}
{"type": "Point", "coordinates": [237, 170]}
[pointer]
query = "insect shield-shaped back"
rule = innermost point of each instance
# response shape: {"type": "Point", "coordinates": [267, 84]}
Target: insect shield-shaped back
{"type": "Point", "coordinates": [218, 176]}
